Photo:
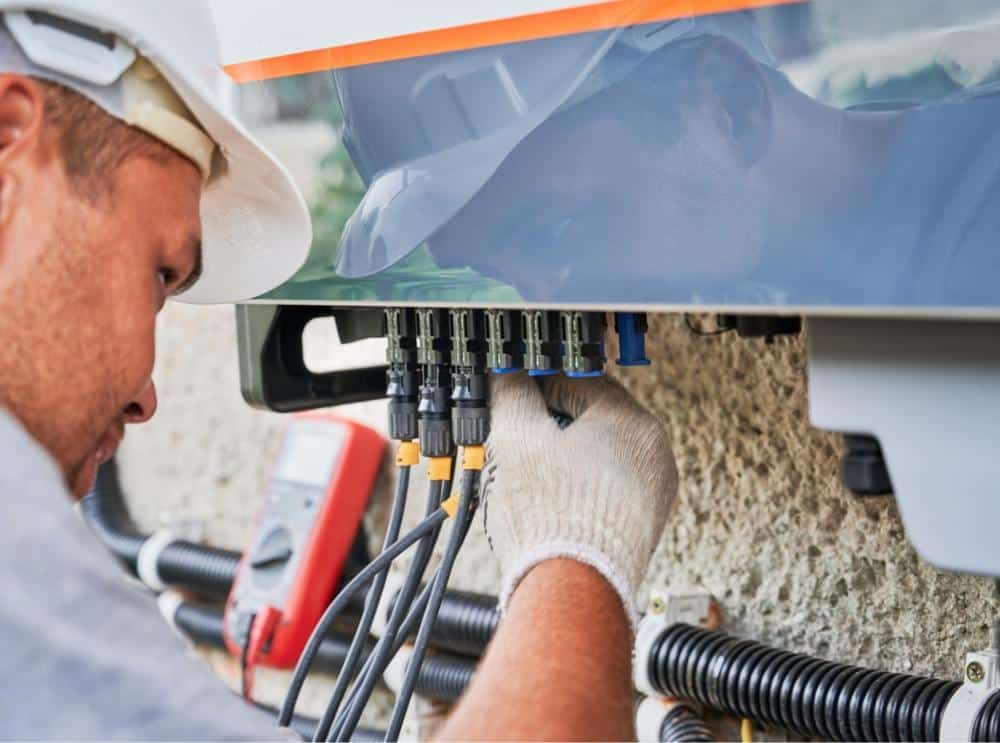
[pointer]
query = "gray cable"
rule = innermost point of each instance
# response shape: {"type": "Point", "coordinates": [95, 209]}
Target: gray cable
{"type": "Point", "coordinates": [408, 627]}
{"type": "Point", "coordinates": [345, 723]}
{"type": "Point", "coordinates": [346, 673]}
{"type": "Point", "coordinates": [429, 525]}
{"type": "Point", "coordinates": [466, 506]}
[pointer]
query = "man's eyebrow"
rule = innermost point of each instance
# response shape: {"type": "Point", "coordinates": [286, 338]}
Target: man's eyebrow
{"type": "Point", "coordinates": [192, 278]}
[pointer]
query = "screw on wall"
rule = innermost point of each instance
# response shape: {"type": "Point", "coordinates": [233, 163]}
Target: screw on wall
{"type": "Point", "coordinates": [975, 672]}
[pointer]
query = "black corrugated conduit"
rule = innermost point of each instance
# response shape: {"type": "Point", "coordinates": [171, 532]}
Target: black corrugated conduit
{"type": "Point", "coordinates": [986, 726]}
{"type": "Point", "coordinates": [107, 514]}
{"type": "Point", "coordinates": [682, 725]}
{"type": "Point", "coordinates": [442, 677]}
{"type": "Point", "coordinates": [201, 623]}
{"type": "Point", "coordinates": [804, 695]}
{"type": "Point", "coordinates": [465, 623]}
{"type": "Point", "coordinates": [207, 571]}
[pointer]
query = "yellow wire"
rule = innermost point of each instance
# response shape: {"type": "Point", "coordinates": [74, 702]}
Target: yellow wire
{"type": "Point", "coordinates": [746, 731]}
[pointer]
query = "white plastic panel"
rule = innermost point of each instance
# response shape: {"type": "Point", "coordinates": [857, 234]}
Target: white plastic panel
{"type": "Point", "coordinates": [930, 392]}
{"type": "Point", "coordinates": [259, 29]}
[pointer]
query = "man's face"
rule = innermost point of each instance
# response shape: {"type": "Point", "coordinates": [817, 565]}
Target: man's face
{"type": "Point", "coordinates": [82, 283]}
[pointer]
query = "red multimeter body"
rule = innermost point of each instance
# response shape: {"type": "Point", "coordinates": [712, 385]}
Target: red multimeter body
{"type": "Point", "coordinates": [312, 510]}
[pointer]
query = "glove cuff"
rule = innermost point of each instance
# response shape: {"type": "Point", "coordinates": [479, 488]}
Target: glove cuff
{"type": "Point", "coordinates": [573, 551]}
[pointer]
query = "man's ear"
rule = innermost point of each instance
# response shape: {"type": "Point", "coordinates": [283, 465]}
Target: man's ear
{"type": "Point", "coordinates": [733, 83]}
{"type": "Point", "coordinates": [22, 111]}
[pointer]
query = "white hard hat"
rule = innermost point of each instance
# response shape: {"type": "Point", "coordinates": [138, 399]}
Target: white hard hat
{"type": "Point", "coordinates": [256, 225]}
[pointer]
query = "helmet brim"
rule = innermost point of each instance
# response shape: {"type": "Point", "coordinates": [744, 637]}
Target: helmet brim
{"type": "Point", "coordinates": [257, 231]}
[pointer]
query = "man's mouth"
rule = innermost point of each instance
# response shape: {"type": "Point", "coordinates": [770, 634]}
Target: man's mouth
{"type": "Point", "coordinates": [107, 445]}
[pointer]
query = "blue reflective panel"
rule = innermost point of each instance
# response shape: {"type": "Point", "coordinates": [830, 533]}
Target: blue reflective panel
{"type": "Point", "coordinates": [831, 154]}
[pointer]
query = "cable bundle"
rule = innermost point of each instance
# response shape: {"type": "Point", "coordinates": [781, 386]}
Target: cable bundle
{"type": "Point", "coordinates": [414, 609]}
{"type": "Point", "coordinates": [206, 571]}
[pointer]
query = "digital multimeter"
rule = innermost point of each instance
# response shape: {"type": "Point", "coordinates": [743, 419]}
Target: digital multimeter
{"type": "Point", "coordinates": [312, 510]}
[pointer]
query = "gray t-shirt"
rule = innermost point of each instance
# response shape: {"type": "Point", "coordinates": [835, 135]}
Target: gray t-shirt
{"type": "Point", "coordinates": [85, 655]}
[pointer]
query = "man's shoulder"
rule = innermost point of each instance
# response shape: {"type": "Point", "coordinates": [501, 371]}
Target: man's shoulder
{"type": "Point", "coordinates": [87, 655]}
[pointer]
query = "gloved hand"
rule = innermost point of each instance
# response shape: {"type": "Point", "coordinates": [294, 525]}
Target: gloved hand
{"type": "Point", "coordinates": [597, 491]}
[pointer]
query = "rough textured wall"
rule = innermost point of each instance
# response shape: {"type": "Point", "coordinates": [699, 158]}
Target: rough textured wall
{"type": "Point", "coordinates": [763, 522]}
{"type": "Point", "coordinates": [761, 519]}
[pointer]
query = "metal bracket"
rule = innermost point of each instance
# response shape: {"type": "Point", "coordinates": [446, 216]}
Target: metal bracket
{"type": "Point", "coordinates": [693, 606]}
{"type": "Point", "coordinates": [273, 372]}
{"type": "Point", "coordinates": [981, 678]}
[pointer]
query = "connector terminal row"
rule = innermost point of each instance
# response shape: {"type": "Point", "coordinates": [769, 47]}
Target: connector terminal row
{"type": "Point", "coordinates": [439, 360]}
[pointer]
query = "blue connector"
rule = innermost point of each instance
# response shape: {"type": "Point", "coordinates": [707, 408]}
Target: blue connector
{"type": "Point", "coordinates": [585, 375]}
{"type": "Point", "coordinates": [631, 328]}
{"type": "Point", "coordinates": [543, 372]}
{"type": "Point", "coordinates": [508, 370]}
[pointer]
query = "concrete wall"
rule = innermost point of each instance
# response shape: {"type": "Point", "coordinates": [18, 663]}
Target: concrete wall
{"type": "Point", "coordinates": [761, 519]}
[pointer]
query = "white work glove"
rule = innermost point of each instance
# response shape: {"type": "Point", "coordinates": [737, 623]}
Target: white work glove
{"type": "Point", "coordinates": [597, 491]}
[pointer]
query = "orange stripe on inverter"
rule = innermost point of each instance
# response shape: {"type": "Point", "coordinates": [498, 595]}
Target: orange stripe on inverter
{"type": "Point", "coordinates": [575, 20]}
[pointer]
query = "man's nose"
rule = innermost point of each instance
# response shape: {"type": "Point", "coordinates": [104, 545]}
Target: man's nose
{"type": "Point", "coordinates": [143, 407]}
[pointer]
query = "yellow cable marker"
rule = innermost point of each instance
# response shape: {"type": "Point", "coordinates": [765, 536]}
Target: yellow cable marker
{"type": "Point", "coordinates": [450, 505]}
{"type": "Point", "coordinates": [473, 458]}
{"type": "Point", "coordinates": [408, 454]}
{"type": "Point", "coordinates": [746, 731]}
{"type": "Point", "coordinates": [439, 469]}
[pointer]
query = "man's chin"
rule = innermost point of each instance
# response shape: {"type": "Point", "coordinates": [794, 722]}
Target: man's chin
{"type": "Point", "coordinates": [81, 477]}
{"type": "Point", "coordinates": [81, 480]}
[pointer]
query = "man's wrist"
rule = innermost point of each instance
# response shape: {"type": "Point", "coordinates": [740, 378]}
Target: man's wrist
{"type": "Point", "coordinates": [560, 559]}
{"type": "Point", "coordinates": [566, 637]}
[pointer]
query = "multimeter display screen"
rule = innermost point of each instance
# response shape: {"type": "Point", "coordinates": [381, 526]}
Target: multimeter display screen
{"type": "Point", "coordinates": [308, 458]}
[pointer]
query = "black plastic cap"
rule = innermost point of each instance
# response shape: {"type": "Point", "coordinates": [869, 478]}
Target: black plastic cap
{"type": "Point", "coordinates": [760, 326]}
{"type": "Point", "coordinates": [471, 425]}
{"type": "Point", "coordinates": [435, 438]}
{"type": "Point", "coordinates": [403, 421]}
{"type": "Point", "coordinates": [864, 470]}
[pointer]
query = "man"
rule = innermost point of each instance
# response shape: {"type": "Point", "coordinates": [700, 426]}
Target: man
{"type": "Point", "coordinates": [109, 149]}
{"type": "Point", "coordinates": [106, 175]}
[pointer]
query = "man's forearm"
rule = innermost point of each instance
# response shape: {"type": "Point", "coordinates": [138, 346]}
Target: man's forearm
{"type": "Point", "coordinates": [559, 667]}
